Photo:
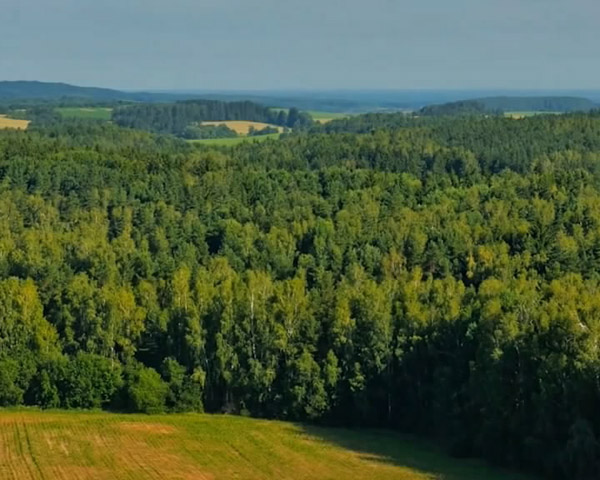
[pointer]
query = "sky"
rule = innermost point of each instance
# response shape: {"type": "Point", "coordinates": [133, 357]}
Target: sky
{"type": "Point", "coordinates": [303, 44]}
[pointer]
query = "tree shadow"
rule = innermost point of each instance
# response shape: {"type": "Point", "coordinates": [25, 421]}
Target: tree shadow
{"type": "Point", "coordinates": [391, 448]}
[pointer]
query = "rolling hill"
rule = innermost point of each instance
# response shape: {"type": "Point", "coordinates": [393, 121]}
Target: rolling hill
{"type": "Point", "coordinates": [34, 90]}
{"type": "Point", "coordinates": [355, 101]}
{"type": "Point", "coordinates": [538, 104]}
{"type": "Point", "coordinates": [487, 105]}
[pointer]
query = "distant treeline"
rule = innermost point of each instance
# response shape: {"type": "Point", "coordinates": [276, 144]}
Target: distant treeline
{"type": "Point", "coordinates": [465, 107]}
{"type": "Point", "coordinates": [496, 105]}
{"type": "Point", "coordinates": [175, 118]}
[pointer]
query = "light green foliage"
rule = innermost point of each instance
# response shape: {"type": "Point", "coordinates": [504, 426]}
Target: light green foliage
{"type": "Point", "coordinates": [145, 391]}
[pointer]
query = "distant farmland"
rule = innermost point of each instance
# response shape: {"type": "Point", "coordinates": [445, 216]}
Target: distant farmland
{"type": "Point", "coordinates": [78, 445]}
{"type": "Point", "coordinates": [93, 113]}
{"type": "Point", "coordinates": [324, 117]}
{"type": "Point", "coordinates": [318, 115]}
{"type": "Point", "coordinates": [11, 123]}
{"type": "Point", "coordinates": [242, 127]}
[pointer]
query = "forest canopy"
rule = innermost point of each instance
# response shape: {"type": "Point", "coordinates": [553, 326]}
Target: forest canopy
{"type": "Point", "coordinates": [439, 276]}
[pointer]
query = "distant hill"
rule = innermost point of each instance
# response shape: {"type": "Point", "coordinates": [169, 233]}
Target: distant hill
{"type": "Point", "coordinates": [40, 90]}
{"type": "Point", "coordinates": [28, 91]}
{"type": "Point", "coordinates": [33, 90]}
{"type": "Point", "coordinates": [537, 104]}
{"type": "Point", "coordinates": [355, 101]}
{"type": "Point", "coordinates": [492, 105]}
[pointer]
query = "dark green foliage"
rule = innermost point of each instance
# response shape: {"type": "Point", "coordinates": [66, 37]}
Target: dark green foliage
{"type": "Point", "coordinates": [465, 107]}
{"type": "Point", "coordinates": [11, 392]}
{"type": "Point", "coordinates": [296, 119]}
{"type": "Point", "coordinates": [89, 381]}
{"type": "Point", "coordinates": [185, 391]}
{"type": "Point", "coordinates": [197, 132]}
{"type": "Point", "coordinates": [263, 131]}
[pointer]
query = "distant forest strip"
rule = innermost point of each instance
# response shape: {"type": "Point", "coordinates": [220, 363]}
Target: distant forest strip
{"type": "Point", "coordinates": [498, 105]}
{"type": "Point", "coordinates": [434, 275]}
{"type": "Point", "coordinates": [178, 118]}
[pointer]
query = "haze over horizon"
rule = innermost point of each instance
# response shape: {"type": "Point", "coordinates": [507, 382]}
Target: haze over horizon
{"type": "Point", "coordinates": [268, 44]}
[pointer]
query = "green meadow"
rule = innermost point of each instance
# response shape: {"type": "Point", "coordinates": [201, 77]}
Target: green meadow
{"type": "Point", "coordinates": [55, 445]}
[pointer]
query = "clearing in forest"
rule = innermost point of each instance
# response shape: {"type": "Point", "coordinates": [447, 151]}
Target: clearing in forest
{"type": "Point", "coordinates": [13, 123]}
{"type": "Point", "coordinates": [97, 446]}
{"type": "Point", "coordinates": [326, 117]}
{"type": "Point", "coordinates": [242, 127]}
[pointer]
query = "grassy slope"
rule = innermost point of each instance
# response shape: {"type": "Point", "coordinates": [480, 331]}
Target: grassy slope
{"type": "Point", "coordinates": [95, 113]}
{"type": "Point", "coordinates": [77, 445]}
{"type": "Point", "coordinates": [230, 142]}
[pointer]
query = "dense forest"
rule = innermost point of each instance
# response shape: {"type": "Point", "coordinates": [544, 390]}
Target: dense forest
{"type": "Point", "coordinates": [464, 107]}
{"type": "Point", "coordinates": [498, 105]}
{"type": "Point", "coordinates": [538, 104]}
{"type": "Point", "coordinates": [182, 118]}
{"type": "Point", "coordinates": [439, 276]}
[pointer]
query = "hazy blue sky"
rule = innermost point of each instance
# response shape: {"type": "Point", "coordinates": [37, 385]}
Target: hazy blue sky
{"type": "Point", "coordinates": [262, 44]}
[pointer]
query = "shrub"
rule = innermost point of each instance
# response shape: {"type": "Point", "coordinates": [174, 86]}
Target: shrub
{"type": "Point", "coordinates": [145, 391]}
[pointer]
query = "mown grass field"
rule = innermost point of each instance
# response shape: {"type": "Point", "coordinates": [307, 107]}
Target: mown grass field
{"type": "Point", "coordinates": [11, 123]}
{"type": "Point", "coordinates": [230, 142]}
{"type": "Point", "coordinates": [97, 446]}
{"type": "Point", "coordinates": [93, 113]}
{"type": "Point", "coordinates": [242, 127]}
{"type": "Point", "coordinates": [324, 117]}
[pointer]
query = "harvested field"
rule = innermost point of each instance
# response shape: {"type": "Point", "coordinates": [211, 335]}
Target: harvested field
{"type": "Point", "coordinates": [98, 446]}
{"type": "Point", "coordinates": [243, 127]}
{"type": "Point", "coordinates": [11, 123]}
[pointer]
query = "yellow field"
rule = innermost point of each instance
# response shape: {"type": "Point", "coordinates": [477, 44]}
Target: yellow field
{"type": "Point", "coordinates": [12, 123]}
{"type": "Point", "coordinates": [243, 127]}
{"type": "Point", "coordinates": [98, 446]}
